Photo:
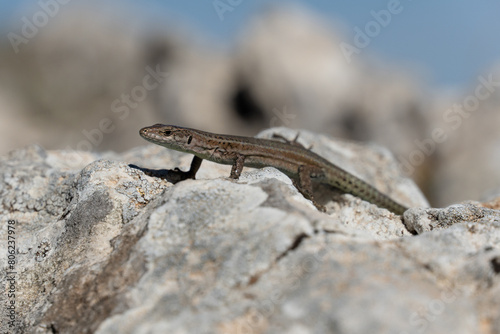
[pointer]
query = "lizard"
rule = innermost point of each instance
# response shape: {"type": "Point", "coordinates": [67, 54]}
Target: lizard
{"type": "Point", "coordinates": [302, 165]}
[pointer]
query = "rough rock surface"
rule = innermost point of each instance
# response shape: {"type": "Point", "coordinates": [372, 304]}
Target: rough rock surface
{"type": "Point", "coordinates": [102, 247]}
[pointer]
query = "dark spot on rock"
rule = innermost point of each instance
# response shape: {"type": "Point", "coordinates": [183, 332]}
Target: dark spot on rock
{"type": "Point", "coordinates": [89, 213]}
{"type": "Point", "coordinates": [495, 264]}
{"type": "Point", "coordinates": [296, 243]}
{"type": "Point", "coordinates": [245, 105]}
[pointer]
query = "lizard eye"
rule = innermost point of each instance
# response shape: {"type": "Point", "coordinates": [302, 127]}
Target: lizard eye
{"type": "Point", "coordinates": [167, 133]}
{"type": "Point", "coordinates": [189, 139]}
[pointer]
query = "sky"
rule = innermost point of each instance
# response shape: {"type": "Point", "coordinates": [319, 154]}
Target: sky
{"type": "Point", "coordinates": [451, 41]}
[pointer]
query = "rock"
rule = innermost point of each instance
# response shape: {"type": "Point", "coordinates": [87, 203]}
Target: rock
{"type": "Point", "coordinates": [420, 220]}
{"type": "Point", "coordinates": [236, 89]}
{"type": "Point", "coordinates": [103, 248]}
{"type": "Point", "coordinates": [63, 89]}
{"type": "Point", "coordinates": [470, 122]}
{"type": "Point", "coordinates": [285, 67]}
{"type": "Point", "coordinates": [291, 71]}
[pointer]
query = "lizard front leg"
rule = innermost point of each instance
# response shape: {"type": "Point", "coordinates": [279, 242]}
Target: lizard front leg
{"type": "Point", "coordinates": [195, 165]}
{"type": "Point", "coordinates": [175, 175]}
{"type": "Point", "coordinates": [191, 173]}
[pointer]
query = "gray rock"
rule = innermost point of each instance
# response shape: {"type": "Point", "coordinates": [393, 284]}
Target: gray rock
{"type": "Point", "coordinates": [102, 247]}
{"type": "Point", "coordinates": [419, 220]}
{"type": "Point", "coordinates": [285, 67]}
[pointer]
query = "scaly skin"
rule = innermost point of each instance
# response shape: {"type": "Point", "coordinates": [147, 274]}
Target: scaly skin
{"type": "Point", "coordinates": [290, 158]}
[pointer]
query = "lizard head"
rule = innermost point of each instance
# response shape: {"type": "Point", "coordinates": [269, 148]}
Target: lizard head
{"type": "Point", "coordinates": [172, 137]}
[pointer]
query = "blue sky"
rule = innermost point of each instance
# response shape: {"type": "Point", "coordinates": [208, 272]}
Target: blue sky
{"type": "Point", "coordinates": [452, 41]}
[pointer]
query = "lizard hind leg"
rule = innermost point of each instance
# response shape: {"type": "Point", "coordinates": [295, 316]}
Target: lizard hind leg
{"type": "Point", "coordinates": [237, 167]}
{"type": "Point", "coordinates": [293, 142]}
{"type": "Point", "coordinates": [305, 186]}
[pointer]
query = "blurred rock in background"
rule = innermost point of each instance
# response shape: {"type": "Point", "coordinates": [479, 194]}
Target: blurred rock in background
{"type": "Point", "coordinates": [468, 161]}
{"type": "Point", "coordinates": [67, 78]}
{"type": "Point", "coordinates": [89, 81]}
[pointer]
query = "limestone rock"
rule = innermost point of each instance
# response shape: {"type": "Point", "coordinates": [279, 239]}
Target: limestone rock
{"type": "Point", "coordinates": [103, 248]}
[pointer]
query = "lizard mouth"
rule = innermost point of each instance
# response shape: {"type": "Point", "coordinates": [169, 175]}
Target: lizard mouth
{"type": "Point", "coordinates": [151, 136]}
